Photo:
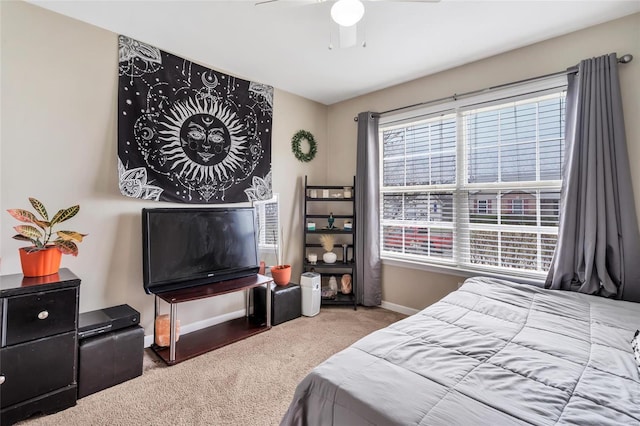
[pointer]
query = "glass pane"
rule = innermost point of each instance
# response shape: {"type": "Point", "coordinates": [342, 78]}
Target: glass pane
{"type": "Point", "coordinates": [417, 241]}
{"type": "Point", "coordinates": [551, 119]}
{"type": "Point", "coordinates": [441, 243]}
{"type": "Point", "coordinates": [417, 206]}
{"type": "Point", "coordinates": [443, 135]}
{"type": "Point", "coordinates": [551, 159]}
{"type": "Point", "coordinates": [417, 170]}
{"type": "Point", "coordinates": [549, 242]}
{"type": "Point", "coordinates": [441, 207]}
{"type": "Point", "coordinates": [392, 206]}
{"type": "Point", "coordinates": [518, 162]}
{"type": "Point", "coordinates": [443, 169]}
{"type": "Point", "coordinates": [549, 208]}
{"type": "Point", "coordinates": [519, 250]}
{"type": "Point", "coordinates": [483, 207]}
{"type": "Point", "coordinates": [519, 208]}
{"type": "Point", "coordinates": [417, 140]}
{"type": "Point", "coordinates": [483, 247]}
{"type": "Point", "coordinates": [483, 165]}
{"type": "Point", "coordinates": [482, 129]}
{"type": "Point", "coordinates": [518, 123]}
{"type": "Point", "coordinates": [393, 172]}
{"type": "Point", "coordinates": [393, 142]}
{"type": "Point", "coordinates": [392, 238]}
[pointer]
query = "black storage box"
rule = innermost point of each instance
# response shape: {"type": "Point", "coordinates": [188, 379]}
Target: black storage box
{"type": "Point", "coordinates": [109, 358]}
{"type": "Point", "coordinates": [286, 302]}
{"type": "Point", "coordinates": [110, 348]}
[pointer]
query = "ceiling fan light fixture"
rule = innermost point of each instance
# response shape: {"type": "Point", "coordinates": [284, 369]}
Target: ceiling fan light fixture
{"type": "Point", "coordinates": [347, 12]}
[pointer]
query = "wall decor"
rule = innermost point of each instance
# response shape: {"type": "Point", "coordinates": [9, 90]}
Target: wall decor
{"type": "Point", "coordinates": [297, 151]}
{"type": "Point", "coordinates": [190, 134]}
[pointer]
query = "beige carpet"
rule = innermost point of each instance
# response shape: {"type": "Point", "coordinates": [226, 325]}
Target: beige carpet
{"type": "Point", "coordinates": [250, 382]}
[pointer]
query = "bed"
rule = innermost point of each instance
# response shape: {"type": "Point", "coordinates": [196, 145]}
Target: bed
{"type": "Point", "coordinates": [491, 353]}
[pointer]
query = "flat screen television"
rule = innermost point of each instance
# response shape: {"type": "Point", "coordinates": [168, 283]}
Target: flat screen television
{"type": "Point", "coordinates": [185, 247]}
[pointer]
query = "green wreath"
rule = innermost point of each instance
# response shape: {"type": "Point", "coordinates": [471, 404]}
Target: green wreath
{"type": "Point", "coordinates": [295, 146]}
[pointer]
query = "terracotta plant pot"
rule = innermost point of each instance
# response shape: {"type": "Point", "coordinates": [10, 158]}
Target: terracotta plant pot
{"type": "Point", "coordinates": [40, 263]}
{"type": "Point", "coordinates": [281, 274]}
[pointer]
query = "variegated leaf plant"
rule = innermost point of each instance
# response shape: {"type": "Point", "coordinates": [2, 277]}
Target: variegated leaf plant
{"type": "Point", "coordinates": [42, 234]}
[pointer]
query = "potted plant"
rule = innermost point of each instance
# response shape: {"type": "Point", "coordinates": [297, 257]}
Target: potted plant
{"type": "Point", "coordinates": [47, 246]}
{"type": "Point", "coordinates": [280, 273]}
{"type": "Point", "coordinates": [328, 242]}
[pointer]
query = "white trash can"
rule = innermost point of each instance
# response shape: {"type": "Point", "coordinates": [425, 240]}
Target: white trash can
{"type": "Point", "coordinates": [310, 284]}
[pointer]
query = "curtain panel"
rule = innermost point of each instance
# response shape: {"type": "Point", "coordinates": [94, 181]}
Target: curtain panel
{"type": "Point", "coordinates": [368, 286]}
{"type": "Point", "coordinates": [598, 240]}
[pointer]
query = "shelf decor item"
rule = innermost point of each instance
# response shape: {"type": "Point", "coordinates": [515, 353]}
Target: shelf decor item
{"type": "Point", "coordinates": [162, 330]}
{"type": "Point", "coordinates": [327, 242]}
{"type": "Point", "coordinates": [313, 258]}
{"type": "Point", "coordinates": [297, 151]}
{"type": "Point", "coordinates": [345, 284]}
{"type": "Point", "coordinates": [44, 255]}
{"type": "Point", "coordinates": [333, 283]}
{"type": "Point", "coordinates": [346, 192]}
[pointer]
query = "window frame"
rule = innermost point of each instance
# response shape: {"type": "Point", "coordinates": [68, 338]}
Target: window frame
{"type": "Point", "coordinates": [510, 94]}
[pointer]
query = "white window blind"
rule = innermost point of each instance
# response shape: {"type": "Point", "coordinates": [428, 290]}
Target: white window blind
{"type": "Point", "coordinates": [268, 223]}
{"type": "Point", "coordinates": [476, 187]}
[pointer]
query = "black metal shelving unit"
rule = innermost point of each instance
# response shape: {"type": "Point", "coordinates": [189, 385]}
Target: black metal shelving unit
{"type": "Point", "coordinates": [341, 266]}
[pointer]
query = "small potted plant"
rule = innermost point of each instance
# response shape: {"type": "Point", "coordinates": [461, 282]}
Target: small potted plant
{"type": "Point", "coordinates": [47, 246]}
{"type": "Point", "coordinates": [280, 273]}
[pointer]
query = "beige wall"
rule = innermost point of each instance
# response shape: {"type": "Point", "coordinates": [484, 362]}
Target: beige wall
{"type": "Point", "coordinates": [414, 288]}
{"type": "Point", "coordinates": [58, 144]}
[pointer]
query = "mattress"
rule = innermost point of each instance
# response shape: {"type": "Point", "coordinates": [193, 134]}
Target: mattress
{"type": "Point", "coordinates": [491, 353]}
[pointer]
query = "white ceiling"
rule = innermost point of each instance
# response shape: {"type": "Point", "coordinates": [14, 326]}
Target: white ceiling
{"type": "Point", "coordinates": [285, 44]}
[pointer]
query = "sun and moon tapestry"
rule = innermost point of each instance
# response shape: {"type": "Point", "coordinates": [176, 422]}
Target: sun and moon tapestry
{"type": "Point", "coordinates": [190, 134]}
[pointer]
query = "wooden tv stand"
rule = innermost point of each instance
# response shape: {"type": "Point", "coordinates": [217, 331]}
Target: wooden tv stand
{"type": "Point", "coordinates": [207, 339]}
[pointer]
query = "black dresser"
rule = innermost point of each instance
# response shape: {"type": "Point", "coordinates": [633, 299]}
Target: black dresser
{"type": "Point", "coordinates": [38, 344]}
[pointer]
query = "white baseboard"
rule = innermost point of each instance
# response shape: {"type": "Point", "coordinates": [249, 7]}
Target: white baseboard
{"type": "Point", "coordinates": [398, 308]}
{"type": "Point", "coordinates": [199, 325]}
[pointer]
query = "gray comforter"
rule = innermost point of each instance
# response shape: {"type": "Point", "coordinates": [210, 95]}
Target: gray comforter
{"type": "Point", "coordinates": [491, 353]}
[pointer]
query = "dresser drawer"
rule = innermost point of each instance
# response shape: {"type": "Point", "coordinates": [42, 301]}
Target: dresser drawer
{"type": "Point", "coordinates": [39, 315]}
{"type": "Point", "coordinates": [38, 367]}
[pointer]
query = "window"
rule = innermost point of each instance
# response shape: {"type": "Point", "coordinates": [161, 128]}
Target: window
{"type": "Point", "coordinates": [483, 206]}
{"type": "Point", "coordinates": [267, 216]}
{"type": "Point", "coordinates": [475, 184]}
{"type": "Point", "coordinates": [517, 206]}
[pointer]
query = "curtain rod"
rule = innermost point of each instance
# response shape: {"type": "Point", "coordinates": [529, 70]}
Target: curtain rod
{"type": "Point", "coordinates": [624, 59]}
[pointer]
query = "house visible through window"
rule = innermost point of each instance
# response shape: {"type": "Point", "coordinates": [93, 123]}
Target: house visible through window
{"type": "Point", "coordinates": [475, 184]}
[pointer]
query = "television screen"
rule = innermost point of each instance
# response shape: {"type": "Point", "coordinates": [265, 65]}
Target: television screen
{"type": "Point", "coordinates": [183, 247]}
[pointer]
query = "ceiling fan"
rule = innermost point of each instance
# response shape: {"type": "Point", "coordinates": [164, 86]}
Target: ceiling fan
{"type": "Point", "coordinates": [346, 14]}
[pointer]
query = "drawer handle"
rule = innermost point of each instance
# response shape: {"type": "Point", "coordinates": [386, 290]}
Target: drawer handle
{"type": "Point", "coordinates": [2, 379]}
{"type": "Point", "coordinates": [43, 315]}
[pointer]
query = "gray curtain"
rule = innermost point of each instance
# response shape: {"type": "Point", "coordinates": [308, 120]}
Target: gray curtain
{"type": "Point", "coordinates": [598, 243]}
{"type": "Point", "coordinates": [368, 286]}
